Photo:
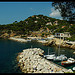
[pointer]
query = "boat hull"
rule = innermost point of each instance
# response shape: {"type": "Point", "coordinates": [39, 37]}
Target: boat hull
{"type": "Point", "coordinates": [67, 63]}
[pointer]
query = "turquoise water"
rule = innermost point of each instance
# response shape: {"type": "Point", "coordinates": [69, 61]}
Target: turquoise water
{"type": "Point", "coordinates": [9, 50]}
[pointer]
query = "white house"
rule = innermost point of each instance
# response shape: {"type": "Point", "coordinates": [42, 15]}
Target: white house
{"type": "Point", "coordinates": [35, 21]}
{"type": "Point", "coordinates": [65, 34]}
{"type": "Point", "coordinates": [62, 35]}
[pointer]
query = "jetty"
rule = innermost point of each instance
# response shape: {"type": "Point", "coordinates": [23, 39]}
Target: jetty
{"type": "Point", "coordinates": [31, 61]}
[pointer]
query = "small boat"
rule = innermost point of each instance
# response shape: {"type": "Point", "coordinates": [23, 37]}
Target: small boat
{"type": "Point", "coordinates": [74, 52]}
{"type": "Point", "coordinates": [68, 62]}
{"type": "Point", "coordinates": [60, 58]}
{"type": "Point", "coordinates": [73, 68]}
{"type": "Point", "coordinates": [50, 57]}
{"type": "Point", "coordinates": [28, 40]}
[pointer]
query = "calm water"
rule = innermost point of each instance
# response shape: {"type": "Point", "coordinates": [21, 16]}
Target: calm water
{"type": "Point", "coordinates": [9, 50]}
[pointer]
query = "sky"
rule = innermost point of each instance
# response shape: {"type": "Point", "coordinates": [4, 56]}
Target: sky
{"type": "Point", "coordinates": [17, 11]}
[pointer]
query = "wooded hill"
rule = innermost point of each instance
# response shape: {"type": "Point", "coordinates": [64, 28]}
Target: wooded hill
{"type": "Point", "coordinates": [35, 22]}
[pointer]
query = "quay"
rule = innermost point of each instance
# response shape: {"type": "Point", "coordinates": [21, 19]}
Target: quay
{"type": "Point", "coordinates": [31, 61]}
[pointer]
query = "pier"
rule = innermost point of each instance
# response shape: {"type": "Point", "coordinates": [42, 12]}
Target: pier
{"type": "Point", "coordinates": [31, 61]}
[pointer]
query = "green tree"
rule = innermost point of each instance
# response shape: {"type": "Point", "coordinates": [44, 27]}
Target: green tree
{"type": "Point", "coordinates": [66, 9]}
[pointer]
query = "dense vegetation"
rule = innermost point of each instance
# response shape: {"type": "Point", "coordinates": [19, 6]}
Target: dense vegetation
{"type": "Point", "coordinates": [35, 22]}
{"type": "Point", "coordinates": [66, 9]}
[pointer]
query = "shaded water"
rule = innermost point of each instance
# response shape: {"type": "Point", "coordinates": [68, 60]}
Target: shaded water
{"type": "Point", "coordinates": [9, 50]}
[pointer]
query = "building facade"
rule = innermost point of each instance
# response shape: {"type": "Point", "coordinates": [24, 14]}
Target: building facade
{"type": "Point", "coordinates": [62, 35]}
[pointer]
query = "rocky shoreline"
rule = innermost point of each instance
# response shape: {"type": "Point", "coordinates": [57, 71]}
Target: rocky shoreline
{"type": "Point", "coordinates": [55, 42]}
{"type": "Point", "coordinates": [31, 61]}
{"type": "Point", "coordinates": [18, 39]}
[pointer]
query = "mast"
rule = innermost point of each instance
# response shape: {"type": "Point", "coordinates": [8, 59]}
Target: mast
{"type": "Point", "coordinates": [31, 46]}
{"type": "Point", "coordinates": [59, 45]}
{"type": "Point", "coordinates": [48, 51]}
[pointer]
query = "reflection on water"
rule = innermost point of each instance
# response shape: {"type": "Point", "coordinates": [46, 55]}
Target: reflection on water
{"type": "Point", "coordinates": [9, 50]}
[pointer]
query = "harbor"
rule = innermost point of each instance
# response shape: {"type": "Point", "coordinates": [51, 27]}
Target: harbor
{"type": "Point", "coordinates": [13, 48]}
{"type": "Point", "coordinates": [57, 58]}
{"type": "Point", "coordinates": [37, 37]}
{"type": "Point", "coordinates": [30, 61]}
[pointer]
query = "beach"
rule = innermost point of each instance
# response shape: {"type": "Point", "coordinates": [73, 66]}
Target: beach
{"type": "Point", "coordinates": [18, 39]}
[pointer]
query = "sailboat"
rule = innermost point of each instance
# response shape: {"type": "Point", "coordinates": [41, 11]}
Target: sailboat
{"type": "Point", "coordinates": [60, 57]}
{"type": "Point", "coordinates": [50, 57]}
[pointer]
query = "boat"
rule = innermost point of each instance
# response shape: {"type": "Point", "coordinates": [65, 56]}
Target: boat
{"type": "Point", "coordinates": [50, 57]}
{"type": "Point", "coordinates": [74, 52]}
{"type": "Point", "coordinates": [68, 62]}
{"type": "Point", "coordinates": [73, 68]}
{"type": "Point", "coordinates": [60, 58]}
{"type": "Point", "coordinates": [28, 40]}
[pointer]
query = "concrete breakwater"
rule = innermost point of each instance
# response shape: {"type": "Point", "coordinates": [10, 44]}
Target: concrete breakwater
{"type": "Point", "coordinates": [31, 61]}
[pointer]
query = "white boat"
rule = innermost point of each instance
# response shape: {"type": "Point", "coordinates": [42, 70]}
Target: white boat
{"type": "Point", "coordinates": [60, 58]}
{"type": "Point", "coordinates": [73, 68]}
{"type": "Point", "coordinates": [50, 57]}
{"type": "Point", "coordinates": [74, 52]}
{"type": "Point", "coordinates": [28, 40]}
{"type": "Point", "coordinates": [68, 62]}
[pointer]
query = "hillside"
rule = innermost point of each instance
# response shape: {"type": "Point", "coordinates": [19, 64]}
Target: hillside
{"type": "Point", "coordinates": [39, 24]}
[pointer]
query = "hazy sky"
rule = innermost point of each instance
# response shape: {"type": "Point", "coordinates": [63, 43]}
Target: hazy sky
{"type": "Point", "coordinates": [17, 11]}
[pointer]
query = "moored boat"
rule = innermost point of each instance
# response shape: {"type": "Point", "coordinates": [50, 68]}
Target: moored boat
{"type": "Point", "coordinates": [50, 56]}
{"type": "Point", "coordinates": [74, 52]}
{"type": "Point", "coordinates": [60, 58]}
{"type": "Point", "coordinates": [73, 68]}
{"type": "Point", "coordinates": [68, 62]}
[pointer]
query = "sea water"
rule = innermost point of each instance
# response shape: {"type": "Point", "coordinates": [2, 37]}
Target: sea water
{"type": "Point", "coordinates": [9, 50]}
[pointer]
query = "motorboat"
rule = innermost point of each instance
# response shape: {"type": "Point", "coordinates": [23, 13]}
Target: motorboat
{"type": "Point", "coordinates": [28, 40]}
{"type": "Point", "coordinates": [74, 52]}
{"type": "Point", "coordinates": [73, 68]}
{"type": "Point", "coordinates": [68, 62]}
{"type": "Point", "coordinates": [60, 58]}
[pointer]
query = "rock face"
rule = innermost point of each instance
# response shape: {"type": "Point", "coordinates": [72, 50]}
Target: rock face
{"type": "Point", "coordinates": [30, 61]}
{"type": "Point", "coordinates": [72, 46]}
{"type": "Point", "coordinates": [57, 42]}
{"type": "Point", "coordinates": [5, 35]}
